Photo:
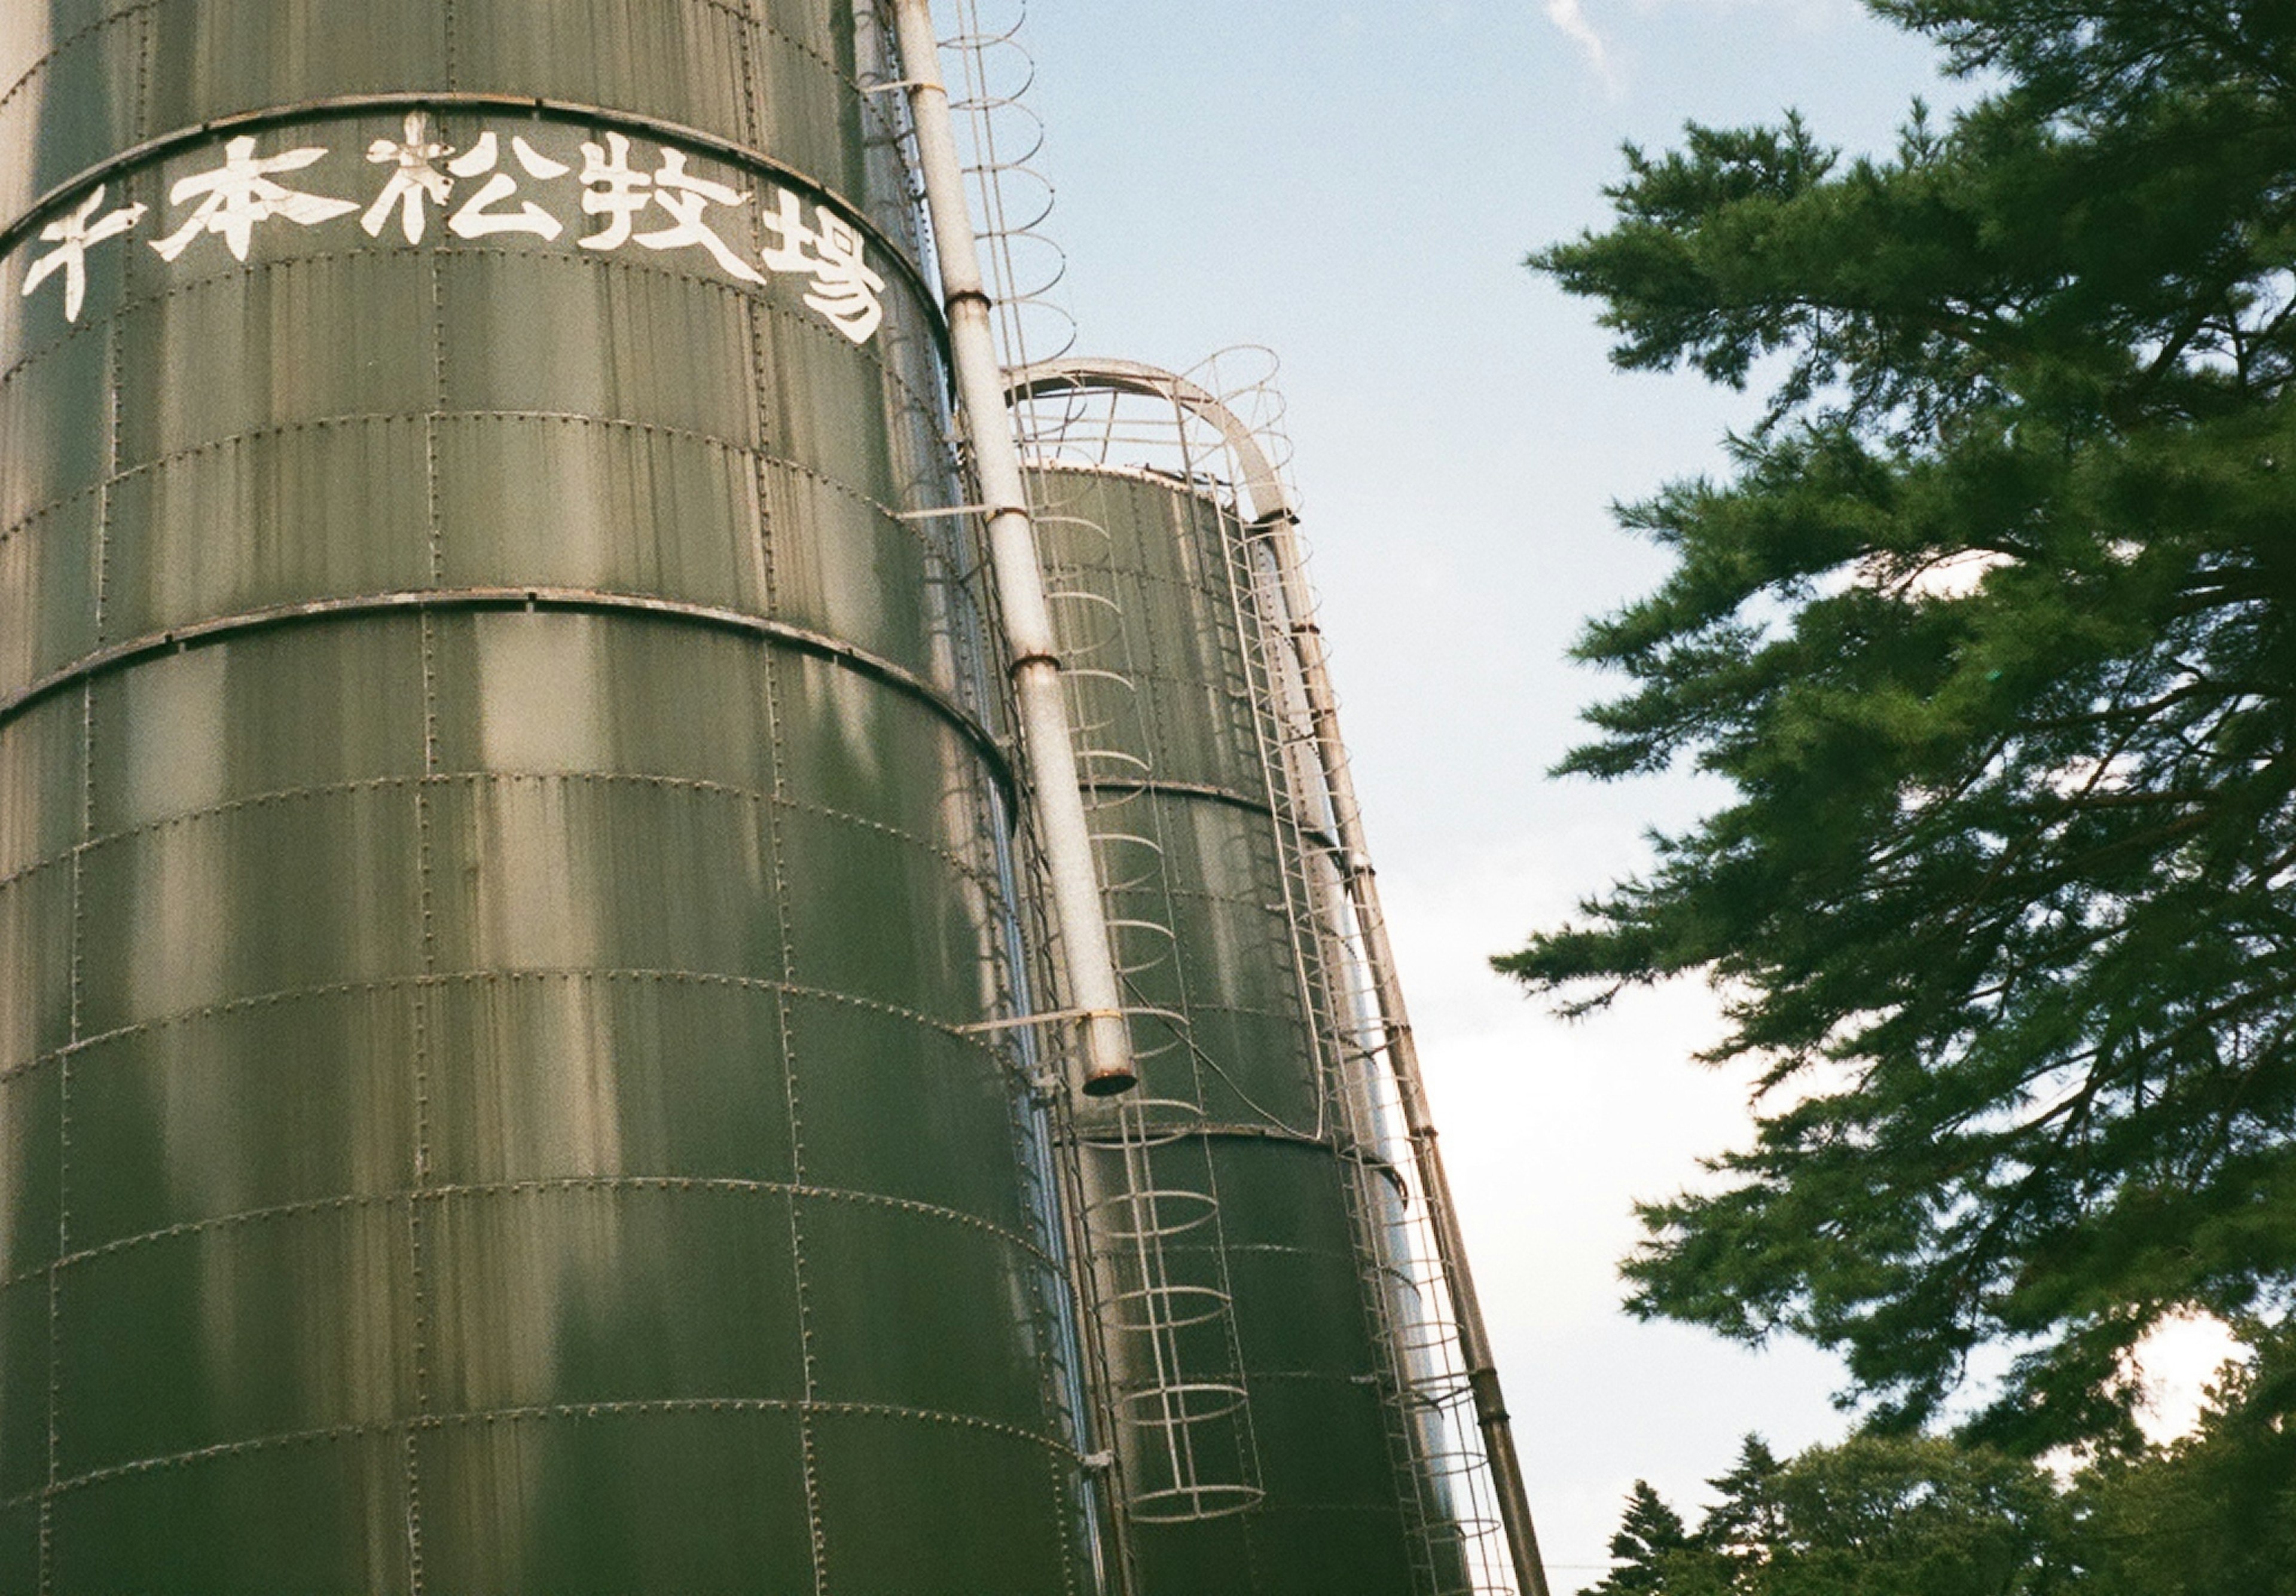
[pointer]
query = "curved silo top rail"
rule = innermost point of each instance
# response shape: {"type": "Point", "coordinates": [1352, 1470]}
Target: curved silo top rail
{"type": "Point", "coordinates": [1261, 482]}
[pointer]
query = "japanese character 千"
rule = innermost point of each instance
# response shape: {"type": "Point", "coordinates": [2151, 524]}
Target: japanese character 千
{"type": "Point", "coordinates": [72, 236]}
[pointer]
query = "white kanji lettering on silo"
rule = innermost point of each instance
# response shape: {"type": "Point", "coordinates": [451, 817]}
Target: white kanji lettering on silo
{"type": "Point", "coordinates": [478, 218]}
{"type": "Point", "coordinates": [413, 178]}
{"type": "Point", "coordinates": [240, 193]}
{"type": "Point", "coordinates": [611, 189]}
{"type": "Point", "coordinates": [844, 289]}
{"type": "Point", "coordinates": [685, 197]}
{"type": "Point", "coordinates": [72, 236]}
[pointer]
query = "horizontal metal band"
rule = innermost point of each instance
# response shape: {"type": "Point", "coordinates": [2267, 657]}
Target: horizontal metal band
{"type": "Point", "coordinates": [1225, 1131]}
{"type": "Point", "coordinates": [530, 106]}
{"type": "Point", "coordinates": [1060, 1446]}
{"type": "Point", "coordinates": [587, 601]}
{"type": "Point", "coordinates": [449, 981]}
{"type": "Point", "coordinates": [539, 1185]}
{"type": "Point", "coordinates": [1205, 1129]}
{"type": "Point", "coordinates": [1207, 491]}
{"type": "Point", "coordinates": [1205, 789]}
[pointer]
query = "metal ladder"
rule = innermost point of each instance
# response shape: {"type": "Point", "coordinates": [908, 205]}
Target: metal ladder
{"type": "Point", "coordinates": [1334, 992]}
{"type": "Point", "coordinates": [1171, 1357]}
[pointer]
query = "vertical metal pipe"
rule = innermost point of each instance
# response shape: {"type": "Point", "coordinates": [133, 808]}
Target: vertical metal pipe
{"type": "Point", "coordinates": [1402, 1052]}
{"type": "Point", "coordinates": [1056, 802]}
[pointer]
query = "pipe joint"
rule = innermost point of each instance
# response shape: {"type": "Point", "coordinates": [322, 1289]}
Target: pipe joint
{"type": "Point", "coordinates": [1491, 1404]}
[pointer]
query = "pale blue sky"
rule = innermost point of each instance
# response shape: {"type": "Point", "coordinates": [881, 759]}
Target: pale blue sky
{"type": "Point", "coordinates": [1356, 186]}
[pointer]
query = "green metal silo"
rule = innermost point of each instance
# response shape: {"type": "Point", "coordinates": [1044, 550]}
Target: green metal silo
{"type": "Point", "coordinates": [1255, 1437]}
{"type": "Point", "coordinates": [499, 819]}
{"type": "Point", "coordinates": [1293, 1368]}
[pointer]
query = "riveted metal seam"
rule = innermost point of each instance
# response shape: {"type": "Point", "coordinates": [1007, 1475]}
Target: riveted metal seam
{"type": "Point", "coordinates": [143, 13]}
{"type": "Point", "coordinates": [616, 1407]}
{"type": "Point", "coordinates": [658, 268]}
{"type": "Point", "coordinates": [953, 1029]}
{"type": "Point", "coordinates": [1208, 790]}
{"type": "Point", "coordinates": [142, 8]}
{"type": "Point", "coordinates": [125, 13]}
{"type": "Point", "coordinates": [440, 1193]}
{"type": "Point", "coordinates": [802, 639]}
{"type": "Point", "coordinates": [278, 429]}
{"type": "Point", "coordinates": [425, 858]}
{"type": "Point", "coordinates": [816, 1539]}
{"type": "Point", "coordinates": [963, 866]}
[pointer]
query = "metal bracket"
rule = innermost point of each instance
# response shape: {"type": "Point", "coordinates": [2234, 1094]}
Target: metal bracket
{"type": "Point", "coordinates": [987, 1025]}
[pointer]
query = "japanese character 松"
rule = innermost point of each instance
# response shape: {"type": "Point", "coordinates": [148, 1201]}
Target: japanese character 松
{"type": "Point", "coordinates": [72, 236]}
{"type": "Point", "coordinates": [844, 289]}
{"type": "Point", "coordinates": [477, 219]}
{"type": "Point", "coordinates": [611, 189]}
{"type": "Point", "coordinates": [240, 193]}
{"type": "Point", "coordinates": [412, 177]}
{"type": "Point", "coordinates": [685, 197]}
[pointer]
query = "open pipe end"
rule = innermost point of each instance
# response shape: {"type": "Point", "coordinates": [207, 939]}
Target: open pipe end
{"type": "Point", "coordinates": [1109, 1083]}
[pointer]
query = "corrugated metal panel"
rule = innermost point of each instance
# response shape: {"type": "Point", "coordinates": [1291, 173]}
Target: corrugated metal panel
{"type": "Point", "coordinates": [493, 853]}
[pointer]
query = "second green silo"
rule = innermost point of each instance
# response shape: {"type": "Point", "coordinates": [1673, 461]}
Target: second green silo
{"type": "Point", "coordinates": [1275, 1391]}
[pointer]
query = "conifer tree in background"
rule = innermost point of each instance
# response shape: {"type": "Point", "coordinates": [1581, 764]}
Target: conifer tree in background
{"type": "Point", "coordinates": [1656, 1555]}
{"type": "Point", "coordinates": [1872, 1516]}
{"type": "Point", "coordinates": [2212, 1513]}
{"type": "Point", "coordinates": [1991, 630]}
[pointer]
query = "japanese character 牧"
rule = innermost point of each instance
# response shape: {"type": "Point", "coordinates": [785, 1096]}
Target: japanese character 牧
{"type": "Point", "coordinates": [685, 197]}
{"type": "Point", "coordinates": [611, 189]}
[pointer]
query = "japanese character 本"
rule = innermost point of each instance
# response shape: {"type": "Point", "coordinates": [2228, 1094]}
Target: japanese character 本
{"type": "Point", "coordinates": [685, 197]}
{"type": "Point", "coordinates": [240, 193]}
{"type": "Point", "coordinates": [72, 236]}
{"type": "Point", "coordinates": [476, 219]}
{"type": "Point", "coordinates": [413, 177]}
{"type": "Point", "coordinates": [844, 289]}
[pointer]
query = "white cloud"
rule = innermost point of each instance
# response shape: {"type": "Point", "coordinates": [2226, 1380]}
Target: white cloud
{"type": "Point", "coordinates": [1570, 17]}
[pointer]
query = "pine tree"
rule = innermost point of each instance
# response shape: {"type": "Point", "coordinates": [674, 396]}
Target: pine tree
{"type": "Point", "coordinates": [2214, 1512]}
{"type": "Point", "coordinates": [1650, 1535]}
{"type": "Point", "coordinates": [1656, 1556]}
{"type": "Point", "coordinates": [1871, 1516]}
{"type": "Point", "coordinates": [1991, 630]}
